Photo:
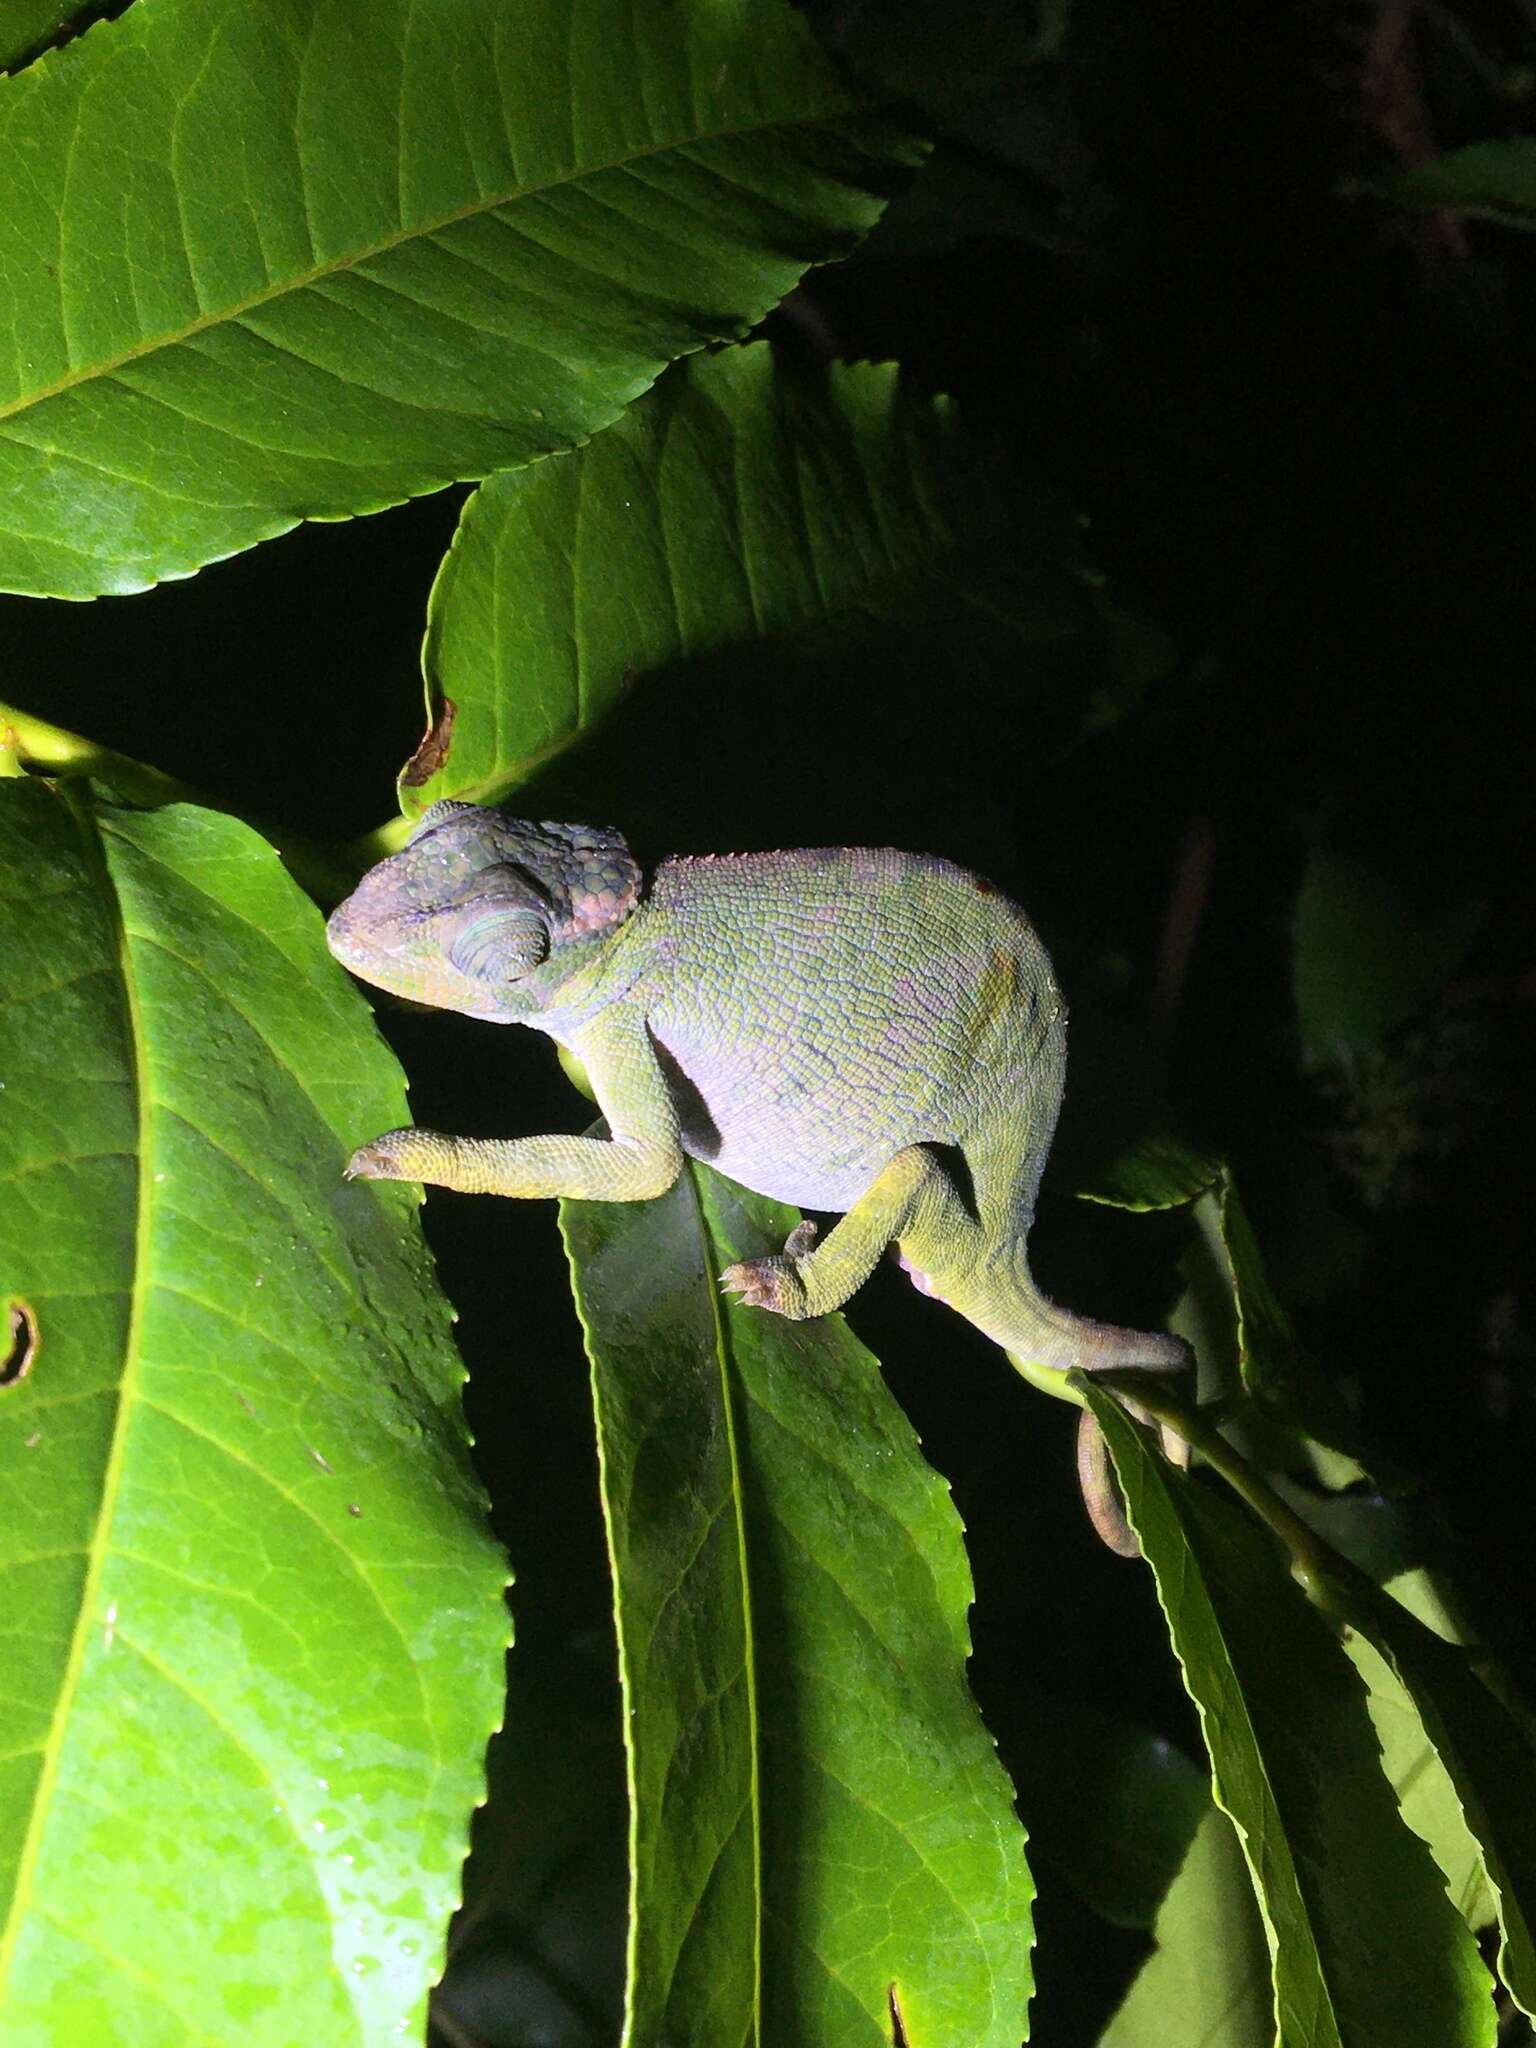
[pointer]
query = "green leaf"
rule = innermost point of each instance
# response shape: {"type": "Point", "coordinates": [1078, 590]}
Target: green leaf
{"type": "Point", "coordinates": [25, 25]}
{"type": "Point", "coordinates": [306, 258]}
{"type": "Point", "coordinates": [1111, 1806]}
{"type": "Point", "coordinates": [738, 501]}
{"type": "Point", "coordinates": [820, 1824]}
{"type": "Point", "coordinates": [1162, 1172]}
{"type": "Point", "coordinates": [1211, 1965]}
{"type": "Point", "coordinates": [1158, 1172]}
{"type": "Point", "coordinates": [1265, 1343]}
{"type": "Point", "coordinates": [253, 1620]}
{"type": "Point", "coordinates": [1423, 1786]}
{"type": "Point", "coordinates": [1366, 1947]}
{"type": "Point", "coordinates": [1496, 179]}
{"type": "Point", "coordinates": [1490, 1759]}
{"type": "Point", "coordinates": [1368, 950]}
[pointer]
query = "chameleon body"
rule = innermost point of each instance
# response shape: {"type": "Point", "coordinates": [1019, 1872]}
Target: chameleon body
{"type": "Point", "coordinates": [856, 1030]}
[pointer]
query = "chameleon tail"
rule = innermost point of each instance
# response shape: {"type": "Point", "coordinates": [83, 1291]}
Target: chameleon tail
{"type": "Point", "coordinates": [1055, 1337]}
{"type": "Point", "coordinates": [1101, 1489]}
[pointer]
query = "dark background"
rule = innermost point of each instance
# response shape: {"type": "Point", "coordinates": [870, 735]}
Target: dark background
{"type": "Point", "coordinates": [1297, 422]}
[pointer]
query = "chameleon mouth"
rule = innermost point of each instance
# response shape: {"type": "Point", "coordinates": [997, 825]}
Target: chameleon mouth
{"type": "Point", "coordinates": [363, 944]}
{"type": "Point", "coordinates": [339, 933]}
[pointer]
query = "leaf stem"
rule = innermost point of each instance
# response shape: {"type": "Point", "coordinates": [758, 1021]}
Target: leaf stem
{"type": "Point", "coordinates": [1330, 1580]}
{"type": "Point", "coordinates": [31, 745]}
{"type": "Point", "coordinates": [1050, 1379]}
{"type": "Point", "coordinates": [378, 844]}
{"type": "Point", "coordinates": [46, 749]}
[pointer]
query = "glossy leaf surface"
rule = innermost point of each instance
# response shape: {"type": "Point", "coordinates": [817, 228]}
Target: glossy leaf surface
{"type": "Point", "coordinates": [820, 1823]}
{"type": "Point", "coordinates": [253, 1620]}
{"type": "Point", "coordinates": [1211, 1964]}
{"type": "Point", "coordinates": [1423, 1785]}
{"type": "Point", "coordinates": [1489, 1757]}
{"type": "Point", "coordinates": [1366, 1947]}
{"type": "Point", "coordinates": [736, 502]}
{"type": "Point", "coordinates": [306, 258]}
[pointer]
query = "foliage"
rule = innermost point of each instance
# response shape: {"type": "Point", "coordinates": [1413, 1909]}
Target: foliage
{"type": "Point", "coordinates": [877, 431]}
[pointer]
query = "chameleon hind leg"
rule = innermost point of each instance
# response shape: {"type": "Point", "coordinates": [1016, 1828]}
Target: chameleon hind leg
{"type": "Point", "coordinates": [911, 1195]}
{"type": "Point", "coordinates": [916, 1205]}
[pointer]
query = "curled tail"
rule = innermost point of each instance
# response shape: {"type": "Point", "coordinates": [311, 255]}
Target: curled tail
{"type": "Point", "coordinates": [1054, 1337]}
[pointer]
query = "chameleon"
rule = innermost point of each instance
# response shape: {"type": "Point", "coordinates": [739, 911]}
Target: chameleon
{"type": "Point", "coordinates": [854, 1030]}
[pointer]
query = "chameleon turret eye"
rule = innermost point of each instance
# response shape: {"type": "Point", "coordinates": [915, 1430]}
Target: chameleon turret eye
{"type": "Point", "coordinates": [500, 945]}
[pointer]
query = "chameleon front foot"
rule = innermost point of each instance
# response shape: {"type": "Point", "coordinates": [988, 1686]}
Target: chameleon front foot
{"type": "Point", "coordinates": [389, 1157]}
{"type": "Point", "coordinates": [775, 1283]}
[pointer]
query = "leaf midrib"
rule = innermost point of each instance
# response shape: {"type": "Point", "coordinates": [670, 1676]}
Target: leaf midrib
{"type": "Point", "coordinates": [748, 1636]}
{"type": "Point", "coordinates": [97, 1548]}
{"type": "Point", "coordinates": [1305, 1905]}
{"type": "Point", "coordinates": [234, 310]}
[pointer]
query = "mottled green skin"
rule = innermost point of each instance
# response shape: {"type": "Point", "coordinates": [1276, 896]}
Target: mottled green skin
{"type": "Point", "coordinates": [836, 1027]}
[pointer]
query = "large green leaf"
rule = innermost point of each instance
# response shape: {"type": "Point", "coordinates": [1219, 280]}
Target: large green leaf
{"type": "Point", "coordinates": [253, 1621]}
{"type": "Point", "coordinates": [1111, 1806]}
{"type": "Point", "coordinates": [269, 260]}
{"type": "Point", "coordinates": [1490, 1760]}
{"type": "Point", "coordinates": [1211, 1964]}
{"type": "Point", "coordinates": [1366, 1947]}
{"type": "Point", "coordinates": [820, 1825]}
{"type": "Point", "coordinates": [738, 501]}
{"type": "Point", "coordinates": [1420, 1779]}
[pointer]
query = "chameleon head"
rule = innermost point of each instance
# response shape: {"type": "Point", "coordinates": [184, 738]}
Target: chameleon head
{"type": "Point", "coordinates": [476, 902]}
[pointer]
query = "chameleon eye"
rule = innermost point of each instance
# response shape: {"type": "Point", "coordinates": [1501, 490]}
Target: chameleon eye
{"type": "Point", "coordinates": [500, 945]}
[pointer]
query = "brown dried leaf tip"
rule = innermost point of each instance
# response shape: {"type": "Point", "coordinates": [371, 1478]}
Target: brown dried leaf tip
{"type": "Point", "coordinates": [432, 753]}
{"type": "Point", "coordinates": [24, 1343]}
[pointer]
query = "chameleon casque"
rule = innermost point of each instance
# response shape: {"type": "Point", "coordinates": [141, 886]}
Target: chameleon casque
{"type": "Point", "coordinates": [849, 1029]}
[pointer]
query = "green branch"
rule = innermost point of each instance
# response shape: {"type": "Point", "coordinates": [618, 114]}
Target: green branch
{"type": "Point", "coordinates": [31, 745]}
{"type": "Point", "coordinates": [1330, 1580]}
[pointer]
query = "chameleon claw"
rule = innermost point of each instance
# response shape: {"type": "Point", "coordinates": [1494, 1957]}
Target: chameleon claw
{"type": "Point", "coordinates": [378, 1160]}
{"type": "Point", "coordinates": [745, 1280]}
{"type": "Point", "coordinates": [773, 1283]}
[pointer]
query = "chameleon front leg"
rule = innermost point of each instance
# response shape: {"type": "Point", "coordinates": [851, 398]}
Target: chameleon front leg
{"type": "Point", "coordinates": [801, 1282]}
{"type": "Point", "coordinates": [641, 1157]}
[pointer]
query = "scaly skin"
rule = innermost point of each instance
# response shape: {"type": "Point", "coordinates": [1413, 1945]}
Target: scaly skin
{"type": "Point", "coordinates": [829, 1026]}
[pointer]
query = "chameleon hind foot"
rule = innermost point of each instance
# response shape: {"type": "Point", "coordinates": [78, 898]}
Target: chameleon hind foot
{"type": "Point", "coordinates": [775, 1283]}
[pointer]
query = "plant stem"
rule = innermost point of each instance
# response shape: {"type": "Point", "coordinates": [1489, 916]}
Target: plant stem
{"type": "Point", "coordinates": [52, 750]}
{"type": "Point", "coordinates": [32, 745]}
{"type": "Point", "coordinates": [1330, 1579]}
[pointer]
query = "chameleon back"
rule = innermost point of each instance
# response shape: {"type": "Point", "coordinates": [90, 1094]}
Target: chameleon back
{"type": "Point", "coordinates": [818, 1010]}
